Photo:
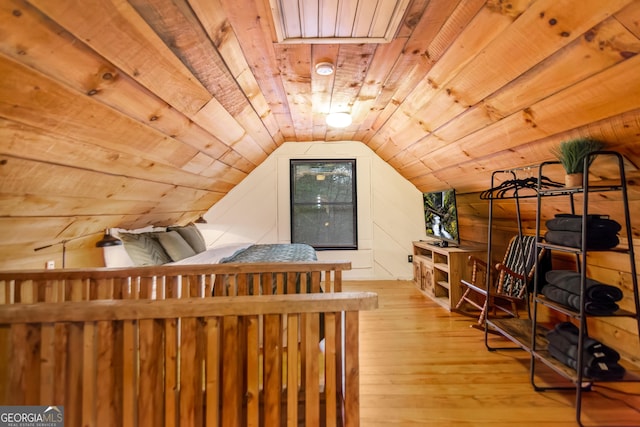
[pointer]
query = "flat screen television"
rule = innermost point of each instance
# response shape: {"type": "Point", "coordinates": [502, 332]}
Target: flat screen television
{"type": "Point", "coordinates": [441, 217]}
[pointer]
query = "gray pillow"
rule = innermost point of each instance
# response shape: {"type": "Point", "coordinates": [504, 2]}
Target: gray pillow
{"type": "Point", "coordinates": [174, 245]}
{"type": "Point", "coordinates": [144, 249]}
{"type": "Point", "coordinates": [192, 236]}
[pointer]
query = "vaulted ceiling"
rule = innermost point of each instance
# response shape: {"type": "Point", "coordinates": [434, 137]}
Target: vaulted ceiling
{"type": "Point", "coordinates": [128, 113]}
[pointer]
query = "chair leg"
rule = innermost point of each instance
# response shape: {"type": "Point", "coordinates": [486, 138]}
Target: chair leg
{"type": "Point", "coordinates": [466, 297]}
{"type": "Point", "coordinates": [485, 307]}
{"type": "Point", "coordinates": [462, 299]}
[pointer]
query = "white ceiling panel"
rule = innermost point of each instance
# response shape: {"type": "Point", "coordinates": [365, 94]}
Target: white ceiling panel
{"type": "Point", "coordinates": [337, 21]}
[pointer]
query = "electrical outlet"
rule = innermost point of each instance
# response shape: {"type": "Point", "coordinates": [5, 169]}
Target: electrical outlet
{"type": "Point", "coordinates": [410, 258]}
{"type": "Point", "coordinates": [50, 265]}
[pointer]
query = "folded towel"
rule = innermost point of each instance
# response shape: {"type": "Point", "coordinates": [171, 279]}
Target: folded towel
{"type": "Point", "coordinates": [593, 350]}
{"type": "Point", "coordinates": [570, 281]}
{"type": "Point", "coordinates": [597, 240]}
{"type": "Point", "coordinates": [569, 222]}
{"type": "Point", "coordinates": [571, 333]}
{"type": "Point", "coordinates": [571, 300]}
{"type": "Point", "coordinates": [600, 370]}
{"type": "Point", "coordinates": [561, 296]}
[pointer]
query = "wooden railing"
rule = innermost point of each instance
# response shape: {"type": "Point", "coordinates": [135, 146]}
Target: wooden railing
{"type": "Point", "coordinates": [150, 346]}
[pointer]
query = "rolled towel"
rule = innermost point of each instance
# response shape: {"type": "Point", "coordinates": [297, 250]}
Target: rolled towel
{"type": "Point", "coordinates": [604, 293]}
{"type": "Point", "coordinates": [598, 308]}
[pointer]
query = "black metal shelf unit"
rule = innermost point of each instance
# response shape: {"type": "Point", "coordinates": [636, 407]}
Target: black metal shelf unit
{"type": "Point", "coordinates": [538, 344]}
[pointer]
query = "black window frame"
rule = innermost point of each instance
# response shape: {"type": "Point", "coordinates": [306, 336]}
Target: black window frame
{"type": "Point", "coordinates": [354, 202]}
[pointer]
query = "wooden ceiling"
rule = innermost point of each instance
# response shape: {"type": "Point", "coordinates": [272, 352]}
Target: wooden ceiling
{"type": "Point", "coordinates": [128, 113]}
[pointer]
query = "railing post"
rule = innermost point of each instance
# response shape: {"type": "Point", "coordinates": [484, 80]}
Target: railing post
{"type": "Point", "coordinates": [352, 371]}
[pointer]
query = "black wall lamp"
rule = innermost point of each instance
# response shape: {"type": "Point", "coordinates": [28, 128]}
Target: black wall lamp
{"type": "Point", "coordinates": [107, 240]}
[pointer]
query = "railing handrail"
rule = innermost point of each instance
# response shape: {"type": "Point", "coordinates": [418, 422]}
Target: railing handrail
{"type": "Point", "coordinates": [173, 270]}
{"type": "Point", "coordinates": [97, 310]}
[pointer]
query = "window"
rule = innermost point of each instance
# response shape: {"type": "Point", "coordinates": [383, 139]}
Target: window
{"type": "Point", "coordinates": [323, 203]}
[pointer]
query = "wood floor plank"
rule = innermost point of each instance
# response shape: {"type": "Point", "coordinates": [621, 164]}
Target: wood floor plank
{"type": "Point", "coordinates": [421, 365]}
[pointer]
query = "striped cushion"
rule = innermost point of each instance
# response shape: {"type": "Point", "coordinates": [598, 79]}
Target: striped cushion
{"type": "Point", "coordinates": [520, 257]}
{"type": "Point", "coordinates": [144, 249]}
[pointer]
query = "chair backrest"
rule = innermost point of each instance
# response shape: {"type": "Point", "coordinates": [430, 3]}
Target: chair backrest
{"type": "Point", "coordinates": [520, 257]}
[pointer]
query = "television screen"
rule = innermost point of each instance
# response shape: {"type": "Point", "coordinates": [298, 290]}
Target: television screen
{"type": "Point", "coordinates": [441, 216]}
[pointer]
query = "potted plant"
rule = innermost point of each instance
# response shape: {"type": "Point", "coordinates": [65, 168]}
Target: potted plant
{"type": "Point", "coordinates": [572, 154]}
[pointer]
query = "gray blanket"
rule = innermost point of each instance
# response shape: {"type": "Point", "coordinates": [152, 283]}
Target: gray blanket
{"type": "Point", "coordinates": [278, 252]}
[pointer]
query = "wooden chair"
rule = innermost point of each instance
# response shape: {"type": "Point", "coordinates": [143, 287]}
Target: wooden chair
{"type": "Point", "coordinates": [514, 274]}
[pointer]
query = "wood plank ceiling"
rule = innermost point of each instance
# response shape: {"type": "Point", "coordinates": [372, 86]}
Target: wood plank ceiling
{"type": "Point", "coordinates": [128, 113]}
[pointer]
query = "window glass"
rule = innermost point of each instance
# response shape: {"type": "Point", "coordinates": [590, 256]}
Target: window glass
{"type": "Point", "coordinates": [323, 203]}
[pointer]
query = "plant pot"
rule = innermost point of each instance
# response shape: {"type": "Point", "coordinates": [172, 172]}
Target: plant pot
{"type": "Point", "coordinates": [573, 180]}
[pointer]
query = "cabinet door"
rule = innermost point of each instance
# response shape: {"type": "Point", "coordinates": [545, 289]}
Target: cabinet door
{"type": "Point", "coordinates": [427, 278]}
{"type": "Point", "coordinates": [417, 274]}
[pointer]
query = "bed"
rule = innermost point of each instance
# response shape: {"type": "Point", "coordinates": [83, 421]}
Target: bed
{"type": "Point", "coordinates": [181, 246]}
{"type": "Point", "coordinates": [186, 245]}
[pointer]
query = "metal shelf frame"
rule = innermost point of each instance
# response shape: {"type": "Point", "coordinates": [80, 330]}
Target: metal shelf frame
{"type": "Point", "coordinates": [491, 326]}
{"type": "Point", "coordinates": [537, 349]}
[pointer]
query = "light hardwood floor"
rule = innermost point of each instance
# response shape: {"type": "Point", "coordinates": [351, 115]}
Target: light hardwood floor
{"type": "Point", "coordinates": [421, 365]}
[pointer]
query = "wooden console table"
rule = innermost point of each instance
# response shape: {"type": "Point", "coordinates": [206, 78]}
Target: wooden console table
{"type": "Point", "coordinates": [437, 270]}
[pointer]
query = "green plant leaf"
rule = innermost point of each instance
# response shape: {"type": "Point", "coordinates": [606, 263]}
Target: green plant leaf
{"type": "Point", "coordinates": [573, 152]}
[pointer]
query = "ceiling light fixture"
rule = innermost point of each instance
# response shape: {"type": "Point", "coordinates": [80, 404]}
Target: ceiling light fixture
{"type": "Point", "coordinates": [324, 68]}
{"type": "Point", "coordinates": [339, 120]}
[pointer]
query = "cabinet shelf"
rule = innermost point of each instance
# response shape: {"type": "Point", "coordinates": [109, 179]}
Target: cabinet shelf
{"type": "Point", "coordinates": [441, 266]}
{"type": "Point", "coordinates": [444, 284]}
